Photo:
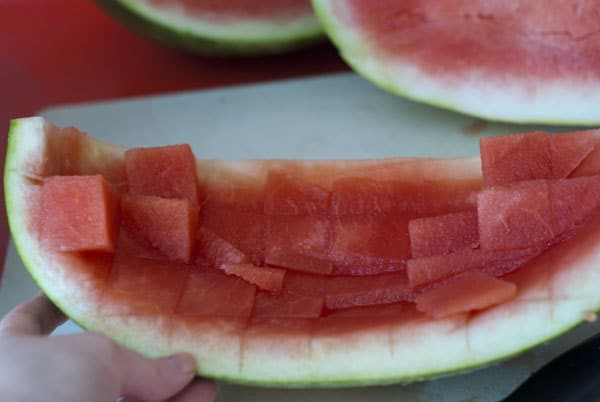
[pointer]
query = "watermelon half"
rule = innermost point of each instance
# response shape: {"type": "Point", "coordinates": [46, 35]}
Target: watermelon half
{"type": "Point", "coordinates": [221, 27]}
{"type": "Point", "coordinates": [522, 62]}
{"type": "Point", "coordinates": [312, 273]}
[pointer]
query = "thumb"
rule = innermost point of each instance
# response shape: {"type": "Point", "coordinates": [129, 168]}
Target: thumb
{"type": "Point", "coordinates": [146, 379]}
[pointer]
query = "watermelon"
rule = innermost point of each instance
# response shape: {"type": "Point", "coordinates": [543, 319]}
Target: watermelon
{"type": "Point", "coordinates": [242, 27]}
{"type": "Point", "coordinates": [300, 273]}
{"type": "Point", "coordinates": [526, 62]}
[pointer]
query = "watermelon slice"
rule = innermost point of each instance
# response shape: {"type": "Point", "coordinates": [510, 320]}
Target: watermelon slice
{"type": "Point", "coordinates": [221, 27]}
{"type": "Point", "coordinates": [523, 63]}
{"type": "Point", "coordinates": [525, 270]}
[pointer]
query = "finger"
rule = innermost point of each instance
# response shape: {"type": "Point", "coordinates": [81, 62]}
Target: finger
{"type": "Point", "coordinates": [37, 316]}
{"type": "Point", "coordinates": [200, 390]}
{"type": "Point", "coordinates": [153, 379]}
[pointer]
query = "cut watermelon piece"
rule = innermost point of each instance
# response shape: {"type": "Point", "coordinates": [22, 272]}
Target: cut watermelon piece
{"type": "Point", "coordinates": [230, 28]}
{"type": "Point", "coordinates": [79, 213]}
{"type": "Point", "coordinates": [344, 292]}
{"type": "Point", "coordinates": [573, 201]}
{"type": "Point", "coordinates": [517, 157]}
{"type": "Point", "coordinates": [525, 63]}
{"type": "Point", "coordinates": [290, 196]}
{"type": "Point", "coordinates": [320, 329]}
{"type": "Point", "coordinates": [369, 246]}
{"type": "Point", "coordinates": [569, 150]}
{"type": "Point", "coordinates": [267, 278]}
{"type": "Point", "coordinates": [167, 224]}
{"type": "Point", "coordinates": [454, 297]}
{"type": "Point", "coordinates": [168, 172]}
{"type": "Point", "coordinates": [516, 217]}
{"type": "Point", "coordinates": [218, 251]}
{"type": "Point", "coordinates": [443, 234]}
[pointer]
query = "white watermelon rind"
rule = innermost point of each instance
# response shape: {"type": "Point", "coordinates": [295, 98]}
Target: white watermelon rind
{"type": "Point", "coordinates": [373, 356]}
{"type": "Point", "coordinates": [561, 101]}
{"type": "Point", "coordinates": [242, 37]}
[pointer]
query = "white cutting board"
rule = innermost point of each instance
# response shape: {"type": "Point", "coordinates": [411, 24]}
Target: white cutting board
{"type": "Point", "coordinates": [335, 116]}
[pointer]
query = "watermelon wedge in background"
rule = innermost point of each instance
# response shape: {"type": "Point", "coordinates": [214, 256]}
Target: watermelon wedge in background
{"type": "Point", "coordinates": [382, 271]}
{"type": "Point", "coordinates": [231, 27]}
{"type": "Point", "coordinates": [519, 62]}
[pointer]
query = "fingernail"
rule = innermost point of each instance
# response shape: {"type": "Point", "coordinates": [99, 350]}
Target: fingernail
{"type": "Point", "coordinates": [183, 363]}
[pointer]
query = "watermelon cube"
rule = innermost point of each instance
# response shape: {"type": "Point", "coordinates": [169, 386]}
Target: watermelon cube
{"type": "Point", "coordinates": [426, 270]}
{"type": "Point", "coordinates": [516, 217]}
{"type": "Point", "coordinates": [168, 224]}
{"type": "Point", "coordinates": [569, 150]}
{"type": "Point", "coordinates": [370, 245]}
{"type": "Point", "coordinates": [299, 242]}
{"type": "Point", "coordinates": [217, 250]}
{"type": "Point", "coordinates": [517, 157]}
{"type": "Point", "coordinates": [79, 213]}
{"type": "Point", "coordinates": [575, 200]}
{"type": "Point", "coordinates": [467, 292]}
{"type": "Point", "coordinates": [286, 305]}
{"type": "Point", "coordinates": [167, 172]}
{"type": "Point", "coordinates": [443, 234]}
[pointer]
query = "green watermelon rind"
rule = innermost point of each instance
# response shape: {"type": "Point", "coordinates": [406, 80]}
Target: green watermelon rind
{"type": "Point", "coordinates": [489, 101]}
{"type": "Point", "coordinates": [438, 346]}
{"type": "Point", "coordinates": [197, 36]}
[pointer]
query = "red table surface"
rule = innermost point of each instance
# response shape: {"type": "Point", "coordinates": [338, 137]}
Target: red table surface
{"type": "Point", "coordinates": [67, 51]}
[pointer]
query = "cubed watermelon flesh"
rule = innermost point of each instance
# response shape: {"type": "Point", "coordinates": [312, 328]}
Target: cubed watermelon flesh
{"type": "Point", "coordinates": [276, 245]}
{"type": "Point", "coordinates": [167, 224]}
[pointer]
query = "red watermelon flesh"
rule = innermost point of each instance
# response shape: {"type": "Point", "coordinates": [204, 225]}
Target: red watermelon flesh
{"type": "Point", "coordinates": [139, 286]}
{"type": "Point", "coordinates": [270, 9]}
{"type": "Point", "coordinates": [516, 157]}
{"type": "Point", "coordinates": [443, 234]}
{"type": "Point", "coordinates": [214, 294]}
{"type": "Point", "coordinates": [267, 278]}
{"type": "Point", "coordinates": [299, 242]}
{"type": "Point", "coordinates": [286, 305]}
{"type": "Point", "coordinates": [167, 224]}
{"type": "Point", "coordinates": [168, 172]}
{"type": "Point", "coordinates": [590, 166]}
{"type": "Point", "coordinates": [573, 201]}
{"type": "Point", "coordinates": [516, 217]}
{"type": "Point", "coordinates": [455, 296]}
{"type": "Point", "coordinates": [217, 250]}
{"type": "Point", "coordinates": [245, 230]}
{"type": "Point", "coordinates": [569, 150]}
{"type": "Point", "coordinates": [79, 213]}
{"type": "Point", "coordinates": [455, 38]}
{"type": "Point", "coordinates": [129, 245]}
{"type": "Point", "coordinates": [344, 292]}
{"type": "Point", "coordinates": [369, 246]}
{"type": "Point", "coordinates": [415, 198]}
{"type": "Point", "coordinates": [301, 297]}
{"type": "Point", "coordinates": [290, 196]}
{"type": "Point", "coordinates": [430, 269]}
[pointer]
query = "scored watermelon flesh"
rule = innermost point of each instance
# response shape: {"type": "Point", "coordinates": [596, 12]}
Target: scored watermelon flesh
{"type": "Point", "coordinates": [167, 224]}
{"type": "Point", "coordinates": [395, 242]}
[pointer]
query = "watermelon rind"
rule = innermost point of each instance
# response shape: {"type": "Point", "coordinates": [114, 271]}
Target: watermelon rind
{"type": "Point", "coordinates": [386, 354]}
{"type": "Point", "coordinates": [519, 99]}
{"type": "Point", "coordinates": [243, 37]}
